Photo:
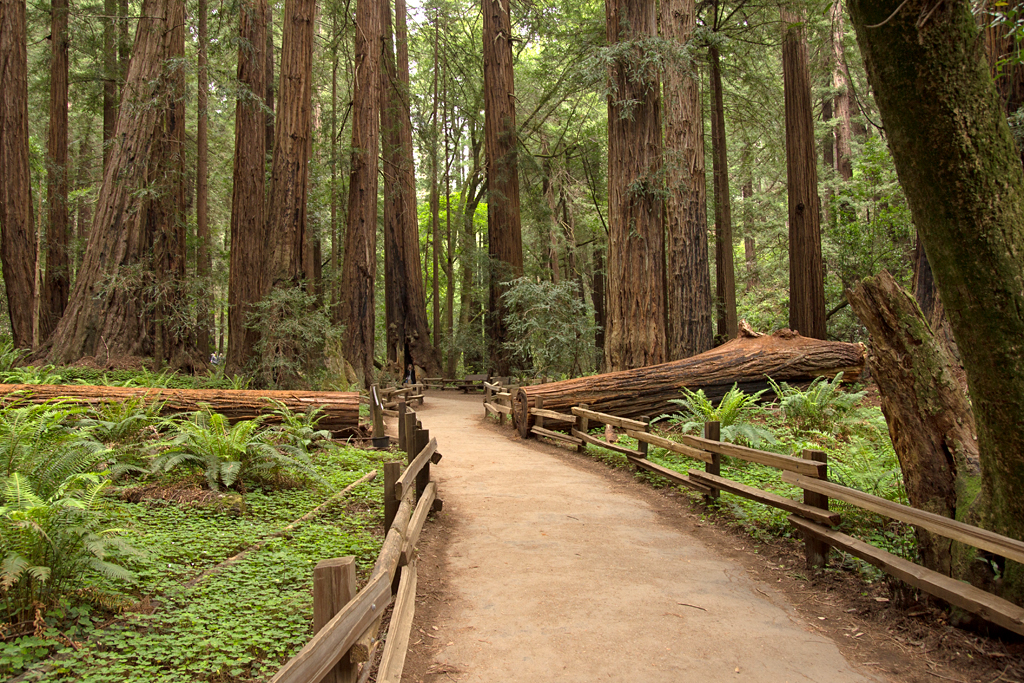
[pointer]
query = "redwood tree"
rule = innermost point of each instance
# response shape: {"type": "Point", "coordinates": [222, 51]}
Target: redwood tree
{"type": "Point", "coordinates": [57, 282]}
{"type": "Point", "coordinates": [806, 275]}
{"type": "Point", "coordinates": [504, 230]}
{"type": "Point", "coordinates": [687, 277]}
{"type": "Point", "coordinates": [248, 227]}
{"type": "Point", "coordinates": [204, 321]}
{"type": "Point", "coordinates": [18, 248]}
{"type": "Point", "coordinates": [635, 329]}
{"type": "Point", "coordinates": [360, 267]}
{"type": "Point", "coordinates": [725, 271]}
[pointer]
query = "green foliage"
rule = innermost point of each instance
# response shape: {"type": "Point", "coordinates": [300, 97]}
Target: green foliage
{"type": "Point", "coordinates": [299, 429]}
{"type": "Point", "coordinates": [31, 374]}
{"type": "Point", "coordinates": [229, 454]}
{"type": "Point", "coordinates": [48, 543]}
{"type": "Point", "coordinates": [293, 330]}
{"type": "Point", "coordinates": [549, 325]}
{"type": "Point", "coordinates": [823, 407]}
{"type": "Point", "coordinates": [733, 413]}
{"type": "Point", "coordinates": [9, 356]}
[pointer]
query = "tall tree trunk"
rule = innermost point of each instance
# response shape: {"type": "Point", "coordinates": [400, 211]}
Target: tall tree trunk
{"type": "Point", "coordinates": [504, 231]}
{"type": "Point", "coordinates": [18, 248]}
{"type": "Point", "coordinates": [203, 259]}
{"type": "Point", "coordinates": [335, 237]}
{"type": "Point", "coordinates": [58, 269]}
{"type": "Point", "coordinates": [635, 334]}
{"type": "Point", "coordinates": [725, 271]}
{"type": "Point", "coordinates": [687, 272]}
{"type": "Point", "coordinates": [268, 80]}
{"type": "Point", "coordinates": [286, 203]}
{"type": "Point", "coordinates": [841, 103]}
{"type": "Point", "coordinates": [110, 70]}
{"type": "Point", "coordinates": [600, 308]}
{"type": "Point", "coordinates": [806, 275]}
{"type": "Point", "coordinates": [555, 227]}
{"type": "Point", "coordinates": [101, 320]}
{"type": "Point", "coordinates": [435, 204]}
{"type": "Point", "coordinates": [247, 278]}
{"type": "Point", "coordinates": [84, 203]}
{"type": "Point", "coordinates": [360, 268]}
{"type": "Point", "coordinates": [961, 171]}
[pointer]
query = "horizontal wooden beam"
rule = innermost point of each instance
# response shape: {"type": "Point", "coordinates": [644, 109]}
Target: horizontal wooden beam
{"type": "Point", "coordinates": [396, 646]}
{"type": "Point", "coordinates": [671, 475]}
{"type": "Point", "coordinates": [668, 444]}
{"type": "Point", "coordinates": [331, 642]}
{"type": "Point", "coordinates": [558, 436]}
{"type": "Point", "coordinates": [782, 462]}
{"type": "Point", "coordinates": [604, 444]}
{"type": "Point", "coordinates": [963, 595]}
{"type": "Point", "coordinates": [613, 420]}
{"type": "Point", "coordinates": [554, 415]}
{"type": "Point", "coordinates": [501, 408]}
{"type": "Point", "coordinates": [943, 526]}
{"type": "Point", "coordinates": [419, 516]}
{"type": "Point", "coordinates": [489, 407]}
{"type": "Point", "coordinates": [409, 475]}
{"type": "Point", "coordinates": [766, 498]}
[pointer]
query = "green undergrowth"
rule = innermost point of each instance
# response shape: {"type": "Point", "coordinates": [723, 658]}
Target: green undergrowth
{"type": "Point", "coordinates": [238, 623]}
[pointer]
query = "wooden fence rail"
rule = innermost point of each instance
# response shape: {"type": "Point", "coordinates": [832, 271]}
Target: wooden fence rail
{"type": "Point", "coordinates": [811, 517]}
{"type": "Point", "coordinates": [342, 649]}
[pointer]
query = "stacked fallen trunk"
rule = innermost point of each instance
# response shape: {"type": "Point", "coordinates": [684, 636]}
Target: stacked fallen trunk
{"type": "Point", "coordinates": [340, 416]}
{"type": "Point", "coordinates": [748, 361]}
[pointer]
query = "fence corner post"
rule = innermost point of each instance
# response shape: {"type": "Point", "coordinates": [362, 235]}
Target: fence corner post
{"type": "Point", "coordinates": [643, 446]}
{"type": "Point", "coordinates": [334, 584]}
{"type": "Point", "coordinates": [392, 471]}
{"type": "Point", "coordinates": [584, 423]}
{"type": "Point", "coordinates": [816, 549]}
{"type": "Point", "coordinates": [713, 432]}
{"type": "Point", "coordinates": [401, 425]}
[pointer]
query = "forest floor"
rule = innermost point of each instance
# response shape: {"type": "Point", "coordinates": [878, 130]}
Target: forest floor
{"type": "Point", "coordinates": [548, 565]}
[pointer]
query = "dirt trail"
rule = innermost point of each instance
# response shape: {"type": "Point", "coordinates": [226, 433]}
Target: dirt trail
{"type": "Point", "coordinates": [553, 572]}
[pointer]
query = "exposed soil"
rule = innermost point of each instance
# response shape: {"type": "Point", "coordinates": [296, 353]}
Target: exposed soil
{"type": "Point", "coordinates": [546, 564]}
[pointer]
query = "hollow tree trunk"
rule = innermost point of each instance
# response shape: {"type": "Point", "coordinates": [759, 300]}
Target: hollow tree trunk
{"type": "Point", "coordinates": [930, 421]}
{"type": "Point", "coordinates": [746, 361]}
{"type": "Point", "coordinates": [688, 303]}
{"type": "Point", "coordinates": [636, 242]}
{"type": "Point", "coordinates": [247, 281]}
{"type": "Point", "coordinates": [806, 274]}
{"type": "Point", "coordinates": [725, 271]}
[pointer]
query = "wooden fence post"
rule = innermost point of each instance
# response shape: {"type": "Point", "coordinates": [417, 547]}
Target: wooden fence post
{"type": "Point", "coordinates": [487, 395]}
{"type": "Point", "coordinates": [392, 471]}
{"type": "Point", "coordinates": [334, 584]}
{"type": "Point", "coordinates": [816, 550]}
{"type": "Point", "coordinates": [423, 478]}
{"type": "Point", "coordinates": [642, 445]}
{"type": "Point", "coordinates": [409, 431]}
{"type": "Point", "coordinates": [539, 420]}
{"type": "Point", "coordinates": [713, 431]}
{"type": "Point", "coordinates": [584, 423]}
{"type": "Point", "coordinates": [401, 425]}
{"type": "Point", "coordinates": [380, 440]}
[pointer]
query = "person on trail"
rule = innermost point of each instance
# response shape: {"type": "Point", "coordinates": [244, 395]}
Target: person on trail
{"type": "Point", "coordinates": [410, 375]}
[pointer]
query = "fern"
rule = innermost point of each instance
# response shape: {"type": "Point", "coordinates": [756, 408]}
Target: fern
{"type": "Point", "coordinates": [823, 407]}
{"type": "Point", "coordinates": [732, 413]}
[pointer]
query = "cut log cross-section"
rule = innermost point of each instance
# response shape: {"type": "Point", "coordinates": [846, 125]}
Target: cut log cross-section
{"type": "Point", "coordinates": [341, 408]}
{"type": "Point", "coordinates": [747, 361]}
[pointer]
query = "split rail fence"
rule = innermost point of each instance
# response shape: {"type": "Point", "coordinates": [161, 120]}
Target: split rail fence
{"type": "Point", "coordinates": [346, 621]}
{"type": "Point", "coordinates": [811, 517]}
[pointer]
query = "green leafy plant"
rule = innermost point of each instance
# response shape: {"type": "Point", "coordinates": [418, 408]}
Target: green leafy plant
{"type": "Point", "coordinates": [47, 543]}
{"type": "Point", "coordinates": [31, 374]}
{"type": "Point", "coordinates": [733, 413]}
{"type": "Point", "coordinates": [294, 328]}
{"type": "Point", "coordinates": [229, 453]}
{"type": "Point", "coordinates": [9, 355]}
{"type": "Point", "coordinates": [823, 407]}
{"type": "Point", "coordinates": [298, 429]}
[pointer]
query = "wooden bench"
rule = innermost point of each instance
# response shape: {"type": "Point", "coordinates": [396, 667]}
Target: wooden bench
{"type": "Point", "coordinates": [474, 382]}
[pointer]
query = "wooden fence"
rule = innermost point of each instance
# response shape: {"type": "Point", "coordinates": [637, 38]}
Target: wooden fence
{"type": "Point", "coordinates": [812, 516]}
{"type": "Point", "coordinates": [498, 399]}
{"type": "Point", "coordinates": [346, 621]}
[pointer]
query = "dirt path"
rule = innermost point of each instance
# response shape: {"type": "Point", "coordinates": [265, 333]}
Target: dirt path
{"type": "Point", "coordinates": [551, 572]}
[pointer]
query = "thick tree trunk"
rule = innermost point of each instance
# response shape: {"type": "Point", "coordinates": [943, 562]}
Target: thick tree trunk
{"type": "Point", "coordinates": [600, 306]}
{"type": "Point", "coordinates": [286, 203]}
{"type": "Point", "coordinates": [725, 271]}
{"type": "Point", "coordinates": [927, 295]}
{"type": "Point", "coordinates": [58, 266]}
{"type": "Point", "coordinates": [18, 248]}
{"type": "Point", "coordinates": [636, 241]}
{"type": "Point", "coordinates": [84, 203]}
{"type": "Point", "coordinates": [270, 84]}
{"type": "Point", "coordinates": [341, 409]}
{"type": "Point", "coordinates": [746, 361]}
{"type": "Point", "coordinates": [806, 275]}
{"type": "Point", "coordinates": [247, 279]}
{"type": "Point", "coordinates": [360, 268]}
{"type": "Point", "coordinates": [504, 232]}
{"type": "Point", "coordinates": [930, 421]}
{"type": "Point", "coordinates": [841, 102]}
{"type": "Point", "coordinates": [204, 317]}
{"type": "Point", "coordinates": [110, 73]}
{"type": "Point", "coordinates": [961, 172]}
{"type": "Point", "coordinates": [688, 301]}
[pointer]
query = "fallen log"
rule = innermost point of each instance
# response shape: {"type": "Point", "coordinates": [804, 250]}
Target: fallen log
{"type": "Point", "coordinates": [746, 361]}
{"type": "Point", "coordinates": [340, 416]}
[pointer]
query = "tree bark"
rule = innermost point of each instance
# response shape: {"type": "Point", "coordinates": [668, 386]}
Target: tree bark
{"type": "Point", "coordinates": [961, 172]}
{"type": "Point", "coordinates": [286, 203]}
{"type": "Point", "coordinates": [636, 242]}
{"type": "Point", "coordinates": [18, 249]}
{"type": "Point", "coordinates": [747, 360]}
{"type": "Point", "coordinates": [806, 275]}
{"type": "Point", "coordinates": [204, 317]}
{"type": "Point", "coordinates": [270, 84]}
{"type": "Point", "coordinates": [504, 231]}
{"type": "Point", "coordinates": [84, 203]}
{"type": "Point", "coordinates": [247, 279]}
{"type": "Point", "coordinates": [360, 267]}
{"type": "Point", "coordinates": [58, 268]}
{"type": "Point", "coordinates": [688, 300]}
{"type": "Point", "coordinates": [110, 72]}
{"type": "Point", "coordinates": [841, 102]}
{"type": "Point", "coordinates": [725, 271]}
